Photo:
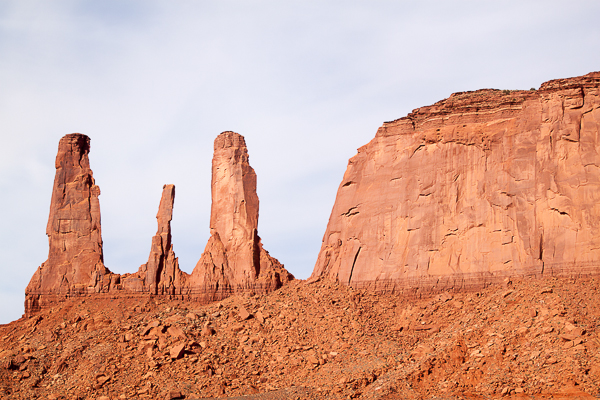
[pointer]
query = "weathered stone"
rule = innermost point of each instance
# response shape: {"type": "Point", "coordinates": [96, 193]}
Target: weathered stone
{"type": "Point", "coordinates": [174, 394]}
{"type": "Point", "coordinates": [75, 260]}
{"type": "Point", "coordinates": [161, 274]}
{"type": "Point", "coordinates": [568, 337]}
{"type": "Point", "coordinates": [478, 187]}
{"type": "Point", "coordinates": [234, 260]}
{"type": "Point", "coordinates": [177, 350]}
{"type": "Point", "coordinates": [243, 313]}
{"type": "Point", "coordinates": [176, 332]}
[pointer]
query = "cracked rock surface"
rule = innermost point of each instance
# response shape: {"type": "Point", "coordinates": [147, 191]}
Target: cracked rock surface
{"type": "Point", "coordinates": [478, 187]}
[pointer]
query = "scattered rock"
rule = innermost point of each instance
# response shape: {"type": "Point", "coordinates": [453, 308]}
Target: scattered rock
{"type": "Point", "coordinates": [243, 313]}
{"type": "Point", "coordinates": [177, 351]}
{"type": "Point", "coordinates": [174, 394]}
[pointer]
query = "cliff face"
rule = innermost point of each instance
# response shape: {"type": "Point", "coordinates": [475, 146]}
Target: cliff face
{"type": "Point", "coordinates": [233, 261]}
{"type": "Point", "coordinates": [478, 187]}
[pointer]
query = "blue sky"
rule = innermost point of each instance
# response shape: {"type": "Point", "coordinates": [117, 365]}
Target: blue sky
{"type": "Point", "coordinates": [306, 82]}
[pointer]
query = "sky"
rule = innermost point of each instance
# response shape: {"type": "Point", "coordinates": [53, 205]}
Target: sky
{"type": "Point", "coordinates": [305, 82]}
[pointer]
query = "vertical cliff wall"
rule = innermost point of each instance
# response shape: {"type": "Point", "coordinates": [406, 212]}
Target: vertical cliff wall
{"type": "Point", "coordinates": [473, 189]}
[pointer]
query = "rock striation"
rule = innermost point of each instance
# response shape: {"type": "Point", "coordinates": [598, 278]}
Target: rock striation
{"type": "Point", "coordinates": [234, 260]}
{"type": "Point", "coordinates": [476, 188]}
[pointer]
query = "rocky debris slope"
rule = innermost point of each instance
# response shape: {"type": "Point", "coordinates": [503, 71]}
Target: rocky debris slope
{"type": "Point", "coordinates": [233, 261]}
{"type": "Point", "coordinates": [75, 260]}
{"type": "Point", "coordinates": [527, 338]}
{"type": "Point", "coordinates": [478, 187]}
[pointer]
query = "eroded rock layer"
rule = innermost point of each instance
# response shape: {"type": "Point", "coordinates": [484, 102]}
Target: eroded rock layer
{"type": "Point", "coordinates": [478, 187]}
{"type": "Point", "coordinates": [234, 259]}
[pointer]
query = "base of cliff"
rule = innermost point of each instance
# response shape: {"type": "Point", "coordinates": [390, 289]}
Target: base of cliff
{"type": "Point", "coordinates": [526, 338]}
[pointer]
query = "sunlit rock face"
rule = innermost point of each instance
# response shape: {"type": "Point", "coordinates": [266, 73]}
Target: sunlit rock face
{"type": "Point", "coordinates": [161, 274]}
{"type": "Point", "coordinates": [478, 187]}
{"type": "Point", "coordinates": [234, 259]}
{"type": "Point", "coordinates": [75, 259]}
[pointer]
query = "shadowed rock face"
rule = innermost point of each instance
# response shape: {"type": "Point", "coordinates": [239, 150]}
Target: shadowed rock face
{"type": "Point", "coordinates": [475, 188]}
{"type": "Point", "coordinates": [233, 261]}
{"type": "Point", "coordinates": [75, 259]}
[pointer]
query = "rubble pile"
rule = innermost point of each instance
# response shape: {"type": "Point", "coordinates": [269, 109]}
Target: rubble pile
{"type": "Point", "coordinates": [312, 340]}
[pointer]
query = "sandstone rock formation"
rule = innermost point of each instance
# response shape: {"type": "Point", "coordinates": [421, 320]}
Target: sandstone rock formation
{"type": "Point", "coordinates": [478, 187]}
{"type": "Point", "coordinates": [75, 260]}
{"type": "Point", "coordinates": [161, 274]}
{"type": "Point", "coordinates": [234, 259]}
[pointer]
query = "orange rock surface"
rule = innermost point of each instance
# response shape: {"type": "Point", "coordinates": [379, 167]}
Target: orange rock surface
{"type": "Point", "coordinates": [75, 260]}
{"type": "Point", "coordinates": [233, 261]}
{"type": "Point", "coordinates": [161, 274]}
{"type": "Point", "coordinates": [478, 187]}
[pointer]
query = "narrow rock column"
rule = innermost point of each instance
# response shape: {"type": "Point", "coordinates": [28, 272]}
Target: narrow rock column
{"type": "Point", "coordinates": [234, 210]}
{"type": "Point", "coordinates": [75, 260]}
{"type": "Point", "coordinates": [234, 260]}
{"type": "Point", "coordinates": [161, 273]}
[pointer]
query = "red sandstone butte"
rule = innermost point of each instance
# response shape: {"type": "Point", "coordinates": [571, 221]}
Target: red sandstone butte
{"type": "Point", "coordinates": [75, 260]}
{"type": "Point", "coordinates": [234, 260]}
{"type": "Point", "coordinates": [478, 187]}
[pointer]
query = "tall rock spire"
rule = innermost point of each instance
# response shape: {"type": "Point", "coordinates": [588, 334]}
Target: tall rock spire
{"type": "Point", "coordinates": [161, 274]}
{"type": "Point", "coordinates": [75, 260]}
{"type": "Point", "coordinates": [234, 259]}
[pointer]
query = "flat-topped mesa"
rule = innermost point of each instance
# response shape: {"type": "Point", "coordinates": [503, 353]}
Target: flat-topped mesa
{"type": "Point", "coordinates": [234, 260]}
{"type": "Point", "coordinates": [161, 274]}
{"type": "Point", "coordinates": [476, 188]}
{"type": "Point", "coordinates": [75, 260]}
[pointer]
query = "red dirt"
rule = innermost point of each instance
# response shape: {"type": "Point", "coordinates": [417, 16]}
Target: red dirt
{"type": "Point", "coordinates": [523, 339]}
